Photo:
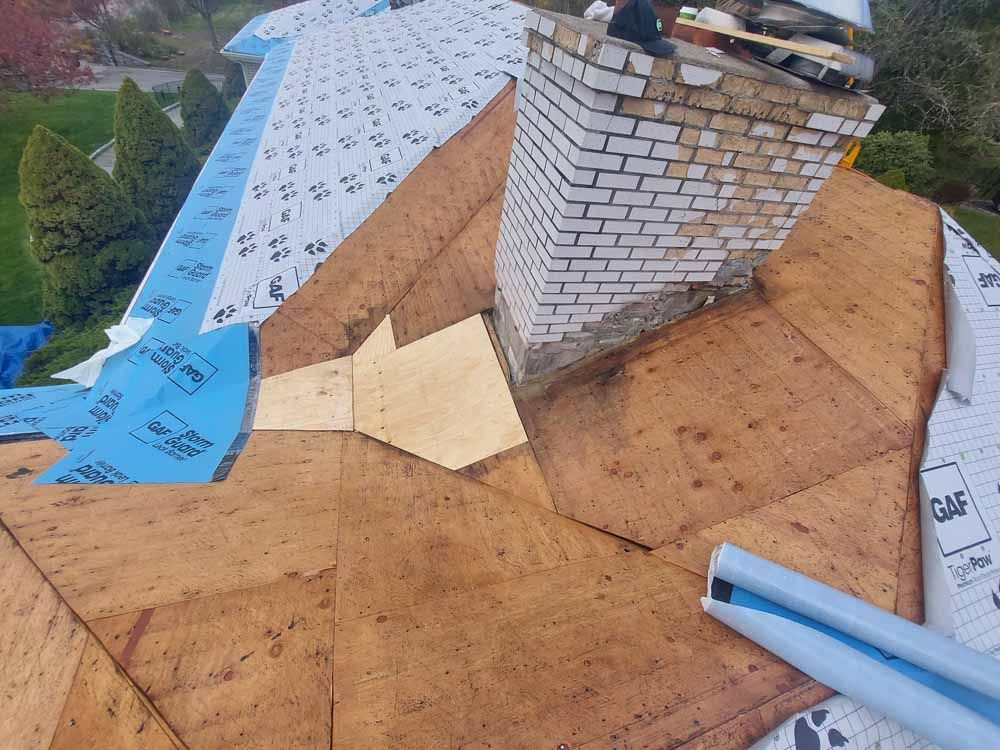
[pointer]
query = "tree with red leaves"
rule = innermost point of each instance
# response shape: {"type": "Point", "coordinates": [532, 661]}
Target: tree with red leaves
{"type": "Point", "coordinates": [36, 50]}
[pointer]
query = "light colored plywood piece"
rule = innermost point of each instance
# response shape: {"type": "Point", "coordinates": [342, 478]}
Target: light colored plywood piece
{"type": "Point", "coordinates": [41, 643]}
{"type": "Point", "coordinates": [114, 549]}
{"type": "Point", "coordinates": [105, 710]}
{"type": "Point", "coordinates": [516, 471]}
{"type": "Point", "coordinates": [460, 282]}
{"type": "Point", "coordinates": [249, 668]}
{"type": "Point", "coordinates": [443, 398]}
{"type": "Point", "coordinates": [380, 342]}
{"type": "Point", "coordinates": [843, 532]}
{"type": "Point", "coordinates": [597, 652]}
{"type": "Point", "coordinates": [412, 531]}
{"type": "Point", "coordinates": [853, 276]}
{"type": "Point", "coordinates": [316, 397]}
{"type": "Point", "coordinates": [738, 412]}
{"type": "Point", "coordinates": [372, 270]}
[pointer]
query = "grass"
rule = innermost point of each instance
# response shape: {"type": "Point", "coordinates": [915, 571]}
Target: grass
{"type": "Point", "coordinates": [984, 226]}
{"type": "Point", "coordinates": [85, 118]}
{"type": "Point", "coordinates": [190, 36]}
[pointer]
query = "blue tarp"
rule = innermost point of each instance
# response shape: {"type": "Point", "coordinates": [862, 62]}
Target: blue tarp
{"type": "Point", "coordinates": [16, 343]}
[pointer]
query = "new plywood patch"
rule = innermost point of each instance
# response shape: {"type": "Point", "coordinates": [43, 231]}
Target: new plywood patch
{"type": "Point", "coordinates": [381, 341]}
{"type": "Point", "coordinates": [443, 398]}
{"type": "Point", "coordinates": [317, 397]}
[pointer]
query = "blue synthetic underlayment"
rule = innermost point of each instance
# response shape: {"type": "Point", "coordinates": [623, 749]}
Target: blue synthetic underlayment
{"type": "Point", "coordinates": [975, 701]}
{"type": "Point", "coordinates": [176, 407]}
{"type": "Point", "coordinates": [16, 343]}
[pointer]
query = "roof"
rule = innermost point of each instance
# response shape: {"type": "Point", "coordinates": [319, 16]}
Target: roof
{"type": "Point", "coordinates": [338, 589]}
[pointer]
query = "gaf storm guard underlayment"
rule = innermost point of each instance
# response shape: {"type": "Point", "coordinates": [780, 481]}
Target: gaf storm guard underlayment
{"type": "Point", "coordinates": [330, 125]}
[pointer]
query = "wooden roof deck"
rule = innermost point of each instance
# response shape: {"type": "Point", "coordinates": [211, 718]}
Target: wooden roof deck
{"type": "Point", "coordinates": [339, 592]}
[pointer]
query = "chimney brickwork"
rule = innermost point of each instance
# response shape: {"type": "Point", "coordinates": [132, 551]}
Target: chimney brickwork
{"type": "Point", "coordinates": [641, 189]}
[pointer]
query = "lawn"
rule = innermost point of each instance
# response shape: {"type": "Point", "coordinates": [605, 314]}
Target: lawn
{"type": "Point", "coordinates": [984, 226]}
{"type": "Point", "coordinates": [191, 37]}
{"type": "Point", "coordinates": [85, 118]}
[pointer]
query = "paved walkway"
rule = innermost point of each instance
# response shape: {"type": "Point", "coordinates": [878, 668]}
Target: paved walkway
{"type": "Point", "coordinates": [109, 77]}
{"type": "Point", "coordinates": [106, 159]}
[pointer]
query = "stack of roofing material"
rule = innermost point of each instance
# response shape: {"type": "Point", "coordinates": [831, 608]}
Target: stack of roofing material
{"type": "Point", "coordinates": [328, 128]}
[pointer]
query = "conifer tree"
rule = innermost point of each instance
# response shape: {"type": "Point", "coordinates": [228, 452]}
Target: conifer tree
{"type": "Point", "coordinates": [203, 110]}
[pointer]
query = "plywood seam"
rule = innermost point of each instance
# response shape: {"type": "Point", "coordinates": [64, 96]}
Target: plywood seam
{"type": "Point", "coordinates": [481, 116]}
{"type": "Point", "coordinates": [425, 267]}
{"type": "Point", "coordinates": [765, 506]}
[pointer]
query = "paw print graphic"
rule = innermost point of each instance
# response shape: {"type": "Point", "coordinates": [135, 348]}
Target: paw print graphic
{"type": "Point", "coordinates": [344, 112]}
{"type": "Point", "coordinates": [322, 97]}
{"type": "Point", "coordinates": [289, 194]}
{"type": "Point", "coordinates": [401, 105]}
{"type": "Point", "coordinates": [463, 54]}
{"type": "Point", "coordinates": [247, 249]}
{"type": "Point", "coordinates": [409, 65]}
{"type": "Point", "coordinates": [321, 120]}
{"type": "Point", "coordinates": [259, 191]}
{"type": "Point", "coordinates": [280, 241]}
{"type": "Point", "coordinates": [387, 179]}
{"type": "Point", "coordinates": [298, 123]}
{"type": "Point", "coordinates": [379, 140]}
{"type": "Point", "coordinates": [421, 84]}
{"type": "Point", "coordinates": [224, 313]}
{"type": "Point", "coordinates": [318, 247]}
{"type": "Point", "coordinates": [486, 74]}
{"type": "Point", "coordinates": [293, 152]}
{"type": "Point", "coordinates": [366, 87]}
{"type": "Point", "coordinates": [270, 152]}
{"type": "Point", "coordinates": [414, 137]}
{"type": "Point", "coordinates": [372, 109]}
{"type": "Point", "coordinates": [320, 149]}
{"type": "Point", "coordinates": [351, 189]}
{"type": "Point", "coordinates": [438, 110]}
{"type": "Point", "coordinates": [319, 191]}
{"type": "Point", "coordinates": [450, 79]}
{"type": "Point", "coordinates": [392, 83]}
{"type": "Point", "coordinates": [277, 124]}
{"type": "Point", "coordinates": [344, 90]}
{"type": "Point", "coordinates": [347, 142]}
{"type": "Point", "coordinates": [280, 254]}
{"type": "Point", "coordinates": [470, 104]}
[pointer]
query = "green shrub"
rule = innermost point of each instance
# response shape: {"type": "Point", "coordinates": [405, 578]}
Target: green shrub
{"type": "Point", "coordinates": [952, 192]}
{"type": "Point", "coordinates": [203, 110]}
{"type": "Point", "coordinates": [234, 85]}
{"type": "Point", "coordinates": [153, 163]}
{"type": "Point", "coordinates": [133, 40]}
{"type": "Point", "coordinates": [149, 17]}
{"type": "Point", "coordinates": [903, 150]}
{"type": "Point", "coordinates": [86, 234]}
{"type": "Point", "coordinates": [894, 178]}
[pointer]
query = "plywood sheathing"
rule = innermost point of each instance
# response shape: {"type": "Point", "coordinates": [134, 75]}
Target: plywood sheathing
{"type": "Point", "coordinates": [853, 278]}
{"type": "Point", "coordinates": [381, 341]}
{"type": "Point", "coordinates": [115, 549]}
{"type": "Point", "coordinates": [105, 710]}
{"type": "Point", "coordinates": [729, 415]}
{"type": "Point", "coordinates": [460, 282]}
{"type": "Point", "coordinates": [516, 471]}
{"type": "Point", "coordinates": [58, 687]}
{"type": "Point", "coordinates": [315, 397]}
{"type": "Point", "coordinates": [443, 397]}
{"type": "Point", "coordinates": [806, 531]}
{"type": "Point", "coordinates": [374, 267]}
{"type": "Point", "coordinates": [248, 668]}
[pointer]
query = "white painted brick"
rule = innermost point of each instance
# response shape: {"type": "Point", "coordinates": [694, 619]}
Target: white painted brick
{"type": "Point", "coordinates": [573, 308]}
{"type": "Point", "coordinates": [661, 184]}
{"type": "Point", "coordinates": [632, 146]}
{"type": "Point", "coordinates": [660, 228]}
{"type": "Point", "coordinates": [623, 227]}
{"type": "Point", "coordinates": [603, 276]}
{"type": "Point", "coordinates": [701, 276]}
{"type": "Point", "coordinates": [607, 212]}
{"type": "Point", "coordinates": [691, 265]}
{"type": "Point", "coordinates": [637, 276]}
{"type": "Point", "coordinates": [565, 238]}
{"type": "Point", "coordinates": [708, 138]}
{"type": "Point", "coordinates": [848, 127]}
{"type": "Point", "coordinates": [648, 214]}
{"type": "Point", "coordinates": [824, 172]}
{"type": "Point", "coordinates": [531, 20]}
{"type": "Point", "coordinates": [659, 265]}
{"type": "Point", "coordinates": [625, 265]}
{"type": "Point", "coordinates": [864, 129]}
{"type": "Point", "coordinates": [713, 255]}
{"type": "Point", "coordinates": [611, 56]}
{"type": "Point", "coordinates": [598, 78]}
{"type": "Point", "coordinates": [597, 160]}
{"type": "Point", "coordinates": [645, 166]}
{"type": "Point", "coordinates": [631, 86]}
{"type": "Point", "coordinates": [815, 185]}
{"type": "Point", "coordinates": [834, 156]}
{"type": "Point", "coordinates": [566, 328]}
{"type": "Point", "coordinates": [793, 196]}
{"type": "Point", "coordinates": [569, 251]}
{"type": "Point", "coordinates": [670, 276]}
{"type": "Point", "coordinates": [591, 317]}
{"type": "Point", "coordinates": [762, 130]}
{"type": "Point", "coordinates": [557, 299]}
{"type": "Point", "coordinates": [564, 277]}
{"type": "Point", "coordinates": [779, 165]}
{"type": "Point", "coordinates": [695, 75]}
{"type": "Point", "coordinates": [768, 194]}
{"type": "Point", "coordinates": [672, 200]}
{"type": "Point", "coordinates": [581, 225]}
{"type": "Point", "coordinates": [829, 123]}
{"type": "Point", "coordinates": [631, 198]}
{"type": "Point", "coordinates": [605, 102]}
{"type": "Point", "coordinates": [699, 188]}
{"type": "Point", "coordinates": [586, 264]}
{"type": "Point", "coordinates": [767, 244]}
{"type": "Point", "coordinates": [547, 338]}
{"type": "Point", "coordinates": [550, 319]}
{"type": "Point", "coordinates": [540, 329]}
{"type": "Point", "coordinates": [709, 242]}
{"type": "Point", "coordinates": [752, 233]}
{"type": "Point", "coordinates": [615, 288]}
{"type": "Point", "coordinates": [727, 191]}
{"type": "Point", "coordinates": [666, 151]}
{"type": "Point", "coordinates": [799, 210]}
{"type": "Point", "coordinates": [643, 64]}
{"type": "Point", "coordinates": [658, 131]}
{"type": "Point", "coordinates": [606, 309]}
{"type": "Point", "coordinates": [587, 195]}
{"type": "Point", "coordinates": [647, 287]}
{"type": "Point", "coordinates": [739, 245]}
{"type": "Point", "coordinates": [546, 26]}
{"type": "Point", "coordinates": [612, 252]}
{"type": "Point", "coordinates": [808, 169]}
{"type": "Point", "coordinates": [828, 140]}
{"type": "Point", "coordinates": [686, 217]}
{"type": "Point", "coordinates": [547, 49]}
{"type": "Point", "coordinates": [709, 204]}
{"type": "Point", "coordinates": [782, 233]}
{"type": "Point", "coordinates": [653, 253]}
{"type": "Point", "coordinates": [621, 181]}
{"type": "Point", "coordinates": [697, 171]}
{"type": "Point", "coordinates": [619, 125]}
{"type": "Point", "coordinates": [676, 241]}
{"type": "Point", "coordinates": [804, 153]}
{"type": "Point", "coordinates": [727, 158]}
{"type": "Point", "coordinates": [874, 112]}
{"type": "Point", "coordinates": [581, 48]}
{"type": "Point", "coordinates": [801, 135]}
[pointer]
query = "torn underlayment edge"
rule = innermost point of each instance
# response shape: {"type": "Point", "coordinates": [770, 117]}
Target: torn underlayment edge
{"type": "Point", "coordinates": [120, 337]}
{"type": "Point", "coordinates": [959, 478]}
{"type": "Point", "coordinates": [940, 690]}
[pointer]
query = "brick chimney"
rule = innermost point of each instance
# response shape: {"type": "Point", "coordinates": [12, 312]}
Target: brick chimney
{"type": "Point", "coordinates": [642, 189]}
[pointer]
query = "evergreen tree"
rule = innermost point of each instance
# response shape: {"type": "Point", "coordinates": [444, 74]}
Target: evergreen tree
{"type": "Point", "coordinates": [153, 163]}
{"type": "Point", "coordinates": [88, 237]}
{"type": "Point", "coordinates": [203, 110]}
{"type": "Point", "coordinates": [235, 85]}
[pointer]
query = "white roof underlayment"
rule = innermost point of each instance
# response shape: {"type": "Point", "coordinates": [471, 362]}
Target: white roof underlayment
{"type": "Point", "coordinates": [308, 17]}
{"type": "Point", "coordinates": [356, 111]}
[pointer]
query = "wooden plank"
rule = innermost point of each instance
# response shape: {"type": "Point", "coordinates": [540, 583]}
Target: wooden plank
{"type": "Point", "coordinates": [853, 277]}
{"type": "Point", "coordinates": [105, 710]}
{"type": "Point", "coordinates": [843, 532]}
{"type": "Point", "coordinates": [412, 531]}
{"type": "Point", "coordinates": [516, 471]}
{"type": "Point", "coordinates": [41, 644]}
{"type": "Point", "coordinates": [114, 549]}
{"type": "Point", "coordinates": [315, 397]}
{"type": "Point", "coordinates": [802, 49]}
{"type": "Point", "coordinates": [249, 668]}
{"type": "Point", "coordinates": [460, 282]}
{"type": "Point", "coordinates": [590, 654]}
{"type": "Point", "coordinates": [380, 342]}
{"type": "Point", "coordinates": [443, 398]}
{"type": "Point", "coordinates": [736, 414]}
{"type": "Point", "coordinates": [292, 348]}
{"type": "Point", "coordinates": [354, 289]}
